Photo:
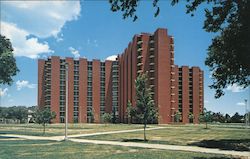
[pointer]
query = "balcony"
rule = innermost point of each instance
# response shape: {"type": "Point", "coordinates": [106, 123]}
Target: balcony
{"type": "Point", "coordinates": [151, 70]}
{"type": "Point", "coordinates": [139, 64]}
{"type": "Point", "coordinates": [171, 47]}
{"type": "Point", "coordinates": [151, 41]}
{"type": "Point", "coordinates": [152, 49]}
{"type": "Point", "coordinates": [172, 94]}
{"type": "Point", "coordinates": [139, 49]}
{"type": "Point", "coordinates": [172, 87]}
{"type": "Point", "coordinates": [139, 57]}
{"type": "Point", "coordinates": [152, 63]}
{"type": "Point", "coordinates": [151, 78]}
{"type": "Point", "coordinates": [139, 71]}
{"type": "Point", "coordinates": [172, 73]}
{"type": "Point", "coordinates": [151, 56]}
{"type": "Point", "coordinates": [172, 80]}
{"type": "Point", "coordinates": [139, 42]}
{"type": "Point", "coordinates": [152, 85]}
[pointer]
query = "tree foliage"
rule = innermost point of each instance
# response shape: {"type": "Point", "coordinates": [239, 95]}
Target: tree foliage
{"type": "Point", "coordinates": [237, 118]}
{"type": "Point", "coordinates": [16, 113]}
{"type": "Point", "coordinates": [229, 54]}
{"type": "Point", "coordinates": [177, 116]}
{"type": "Point", "coordinates": [205, 117]}
{"type": "Point", "coordinates": [146, 110]}
{"type": "Point", "coordinates": [131, 112]}
{"type": "Point", "coordinates": [44, 116]}
{"type": "Point", "coordinates": [8, 67]}
{"type": "Point", "coordinates": [107, 118]}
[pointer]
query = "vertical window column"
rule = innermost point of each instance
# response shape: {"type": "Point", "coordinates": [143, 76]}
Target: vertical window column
{"type": "Point", "coordinates": [62, 90]}
{"type": "Point", "coordinates": [76, 91]}
{"type": "Point", "coordinates": [115, 76]}
{"type": "Point", "coordinates": [90, 115]}
{"type": "Point", "coordinates": [102, 88]}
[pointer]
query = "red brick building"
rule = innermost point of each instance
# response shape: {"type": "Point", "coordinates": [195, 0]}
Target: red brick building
{"type": "Point", "coordinates": [96, 87]}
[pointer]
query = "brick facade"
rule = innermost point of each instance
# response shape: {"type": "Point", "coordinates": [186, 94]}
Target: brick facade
{"type": "Point", "coordinates": [96, 87]}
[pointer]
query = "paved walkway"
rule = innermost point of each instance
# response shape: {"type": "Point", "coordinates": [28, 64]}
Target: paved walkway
{"type": "Point", "coordinates": [115, 132]}
{"type": "Point", "coordinates": [166, 147]}
{"type": "Point", "coordinates": [60, 138]}
{"type": "Point", "coordinates": [134, 144]}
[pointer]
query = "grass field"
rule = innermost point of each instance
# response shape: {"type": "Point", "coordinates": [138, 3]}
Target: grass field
{"type": "Point", "coordinates": [229, 138]}
{"type": "Point", "coordinates": [28, 149]}
{"type": "Point", "coordinates": [226, 137]}
{"type": "Point", "coordinates": [58, 129]}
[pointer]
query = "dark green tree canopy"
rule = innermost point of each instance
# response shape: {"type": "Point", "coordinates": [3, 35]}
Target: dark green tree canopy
{"type": "Point", "coordinates": [229, 54]}
{"type": "Point", "coordinates": [8, 67]}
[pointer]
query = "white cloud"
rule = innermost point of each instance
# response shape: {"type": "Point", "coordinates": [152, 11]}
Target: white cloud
{"type": "Point", "coordinates": [235, 88]}
{"type": "Point", "coordinates": [27, 22]}
{"type": "Point", "coordinates": [42, 18]}
{"type": "Point", "coordinates": [74, 52]}
{"type": "Point", "coordinates": [206, 101]}
{"type": "Point", "coordinates": [241, 104]}
{"type": "Point", "coordinates": [3, 92]}
{"type": "Point", "coordinates": [112, 58]}
{"type": "Point", "coordinates": [24, 84]}
{"type": "Point", "coordinates": [23, 46]}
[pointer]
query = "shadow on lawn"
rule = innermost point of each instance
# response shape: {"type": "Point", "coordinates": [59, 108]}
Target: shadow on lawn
{"type": "Point", "coordinates": [134, 140]}
{"type": "Point", "coordinates": [6, 137]}
{"type": "Point", "coordinates": [215, 158]}
{"type": "Point", "coordinates": [236, 145]}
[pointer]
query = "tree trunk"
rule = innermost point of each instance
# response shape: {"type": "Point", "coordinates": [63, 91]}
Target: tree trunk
{"type": "Point", "coordinates": [145, 132]}
{"type": "Point", "coordinates": [206, 125]}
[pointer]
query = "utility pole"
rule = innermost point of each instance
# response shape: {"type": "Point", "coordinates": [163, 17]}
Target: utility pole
{"type": "Point", "coordinates": [246, 115]}
{"type": "Point", "coordinates": [66, 103]}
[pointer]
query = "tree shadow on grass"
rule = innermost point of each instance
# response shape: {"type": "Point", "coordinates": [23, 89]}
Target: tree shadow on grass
{"type": "Point", "coordinates": [236, 145]}
{"type": "Point", "coordinates": [134, 140]}
{"type": "Point", "coordinates": [215, 158]}
{"type": "Point", "coordinates": [6, 137]}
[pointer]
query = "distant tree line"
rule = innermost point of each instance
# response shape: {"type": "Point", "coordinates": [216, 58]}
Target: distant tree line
{"type": "Point", "coordinates": [217, 117]}
{"type": "Point", "coordinates": [16, 113]}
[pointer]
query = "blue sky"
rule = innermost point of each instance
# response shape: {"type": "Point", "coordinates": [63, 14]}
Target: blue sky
{"type": "Point", "coordinates": [89, 29]}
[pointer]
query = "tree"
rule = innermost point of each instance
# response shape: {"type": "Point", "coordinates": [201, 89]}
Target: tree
{"type": "Point", "coordinates": [206, 117]}
{"type": "Point", "coordinates": [144, 102]}
{"type": "Point", "coordinates": [131, 112]}
{"type": "Point", "coordinates": [21, 113]}
{"type": "Point", "coordinates": [191, 117]}
{"type": "Point", "coordinates": [228, 55]}
{"type": "Point", "coordinates": [227, 118]}
{"type": "Point", "coordinates": [177, 116]}
{"type": "Point", "coordinates": [16, 113]}
{"type": "Point", "coordinates": [107, 118]}
{"type": "Point", "coordinates": [218, 117]}
{"type": "Point", "coordinates": [237, 118]}
{"type": "Point", "coordinates": [44, 116]}
{"type": "Point", "coordinates": [8, 67]}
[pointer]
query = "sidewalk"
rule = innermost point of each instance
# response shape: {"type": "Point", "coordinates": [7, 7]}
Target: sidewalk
{"type": "Point", "coordinates": [167, 147]}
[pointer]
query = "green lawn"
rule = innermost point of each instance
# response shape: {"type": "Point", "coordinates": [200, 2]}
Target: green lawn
{"type": "Point", "coordinates": [230, 138]}
{"type": "Point", "coordinates": [58, 129]}
{"type": "Point", "coordinates": [29, 149]}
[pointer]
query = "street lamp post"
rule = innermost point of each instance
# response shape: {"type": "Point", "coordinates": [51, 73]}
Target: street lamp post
{"type": "Point", "coordinates": [246, 115]}
{"type": "Point", "coordinates": [66, 104]}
